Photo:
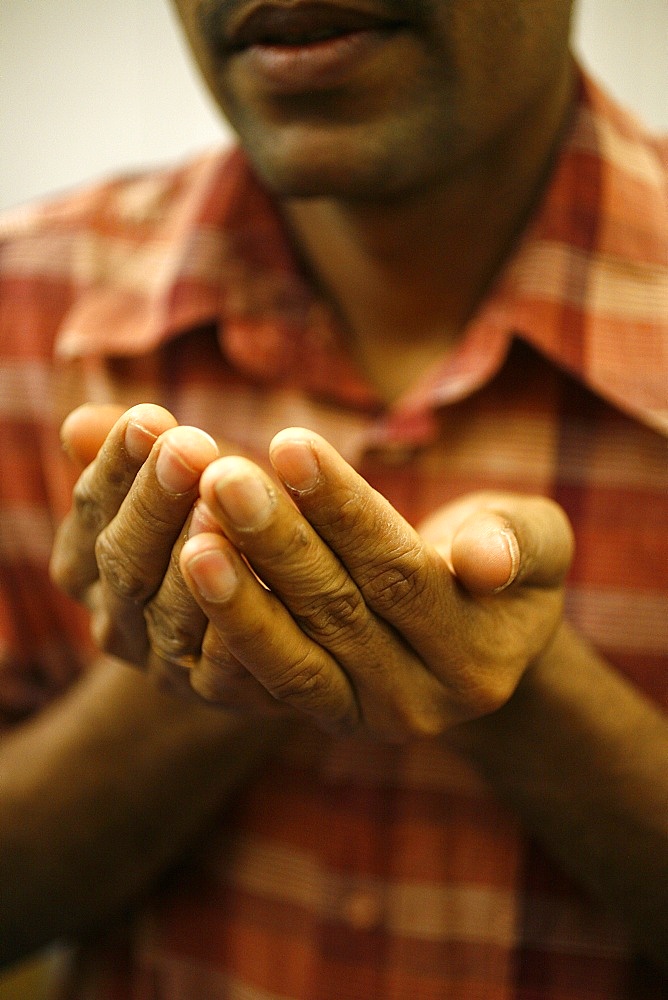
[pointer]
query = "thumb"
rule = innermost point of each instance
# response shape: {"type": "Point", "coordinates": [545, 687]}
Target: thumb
{"type": "Point", "coordinates": [507, 539]}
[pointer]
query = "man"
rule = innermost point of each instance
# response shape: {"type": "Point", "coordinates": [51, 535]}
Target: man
{"type": "Point", "coordinates": [418, 777]}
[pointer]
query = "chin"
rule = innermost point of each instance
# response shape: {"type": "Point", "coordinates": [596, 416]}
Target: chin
{"type": "Point", "coordinates": [303, 165]}
{"type": "Point", "coordinates": [309, 180]}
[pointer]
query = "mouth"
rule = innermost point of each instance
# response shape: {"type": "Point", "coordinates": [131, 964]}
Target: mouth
{"type": "Point", "coordinates": [301, 25]}
{"type": "Point", "coordinates": [299, 47]}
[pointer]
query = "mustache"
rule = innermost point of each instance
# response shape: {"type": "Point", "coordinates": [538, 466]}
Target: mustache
{"type": "Point", "coordinates": [216, 19]}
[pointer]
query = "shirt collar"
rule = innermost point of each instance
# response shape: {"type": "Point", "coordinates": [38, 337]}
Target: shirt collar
{"type": "Point", "coordinates": [587, 285]}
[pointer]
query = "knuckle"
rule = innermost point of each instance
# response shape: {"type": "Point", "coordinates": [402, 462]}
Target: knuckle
{"type": "Point", "coordinates": [329, 615]}
{"type": "Point", "coordinates": [147, 521]}
{"type": "Point", "coordinates": [389, 588]}
{"type": "Point", "coordinates": [168, 639]}
{"type": "Point", "coordinates": [121, 547]}
{"type": "Point", "coordinates": [348, 519]}
{"type": "Point", "coordinates": [302, 682]}
{"type": "Point", "coordinates": [349, 515]}
{"type": "Point", "coordinates": [308, 686]}
{"type": "Point", "coordinates": [87, 508]}
{"type": "Point", "coordinates": [118, 570]}
{"type": "Point", "coordinates": [175, 625]}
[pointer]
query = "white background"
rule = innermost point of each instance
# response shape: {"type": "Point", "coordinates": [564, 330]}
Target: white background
{"type": "Point", "coordinates": [88, 87]}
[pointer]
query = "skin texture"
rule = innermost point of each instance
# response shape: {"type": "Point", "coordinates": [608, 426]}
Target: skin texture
{"type": "Point", "coordinates": [435, 152]}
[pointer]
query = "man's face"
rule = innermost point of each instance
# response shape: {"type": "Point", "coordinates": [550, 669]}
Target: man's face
{"type": "Point", "coordinates": [376, 98]}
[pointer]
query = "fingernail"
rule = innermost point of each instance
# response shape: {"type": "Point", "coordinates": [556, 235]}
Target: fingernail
{"type": "Point", "coordinates": [173, 472]}
{"type": "Point", "coordinates": [138, 441]}
{"type": "Point", "coordinates": [214, 575]}
{"type": "Point", "coordinates": [508, 539]}
{"type": "Point", "coordinates": [244, 499]}
{"type": "Point", "coordinates": [297, 464]}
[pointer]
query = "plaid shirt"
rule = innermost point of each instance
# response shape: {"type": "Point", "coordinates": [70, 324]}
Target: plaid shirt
{"type": "Point", "coordinates": [358, 871]}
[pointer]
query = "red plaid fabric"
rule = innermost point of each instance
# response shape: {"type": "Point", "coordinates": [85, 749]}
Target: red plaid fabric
{"type": "Point", "coordinates": [349, 871]}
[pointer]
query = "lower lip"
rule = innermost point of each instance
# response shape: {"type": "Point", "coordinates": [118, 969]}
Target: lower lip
{"type": "Point", "coordinates": [324, 65]}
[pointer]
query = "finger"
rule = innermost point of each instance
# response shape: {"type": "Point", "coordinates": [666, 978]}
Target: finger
{"type": "Point", "coordinates": [134, 551]}
{"type": "Point", "coordinates": [221, 679]}
{"type": "Point", "coordinates": [544, 538]}
{"type": "Point", "coordinates": [100, 491]}
{"type": "Point", "coordinates": [492, 540]}
{"type": "Point", "coordinates": [175, 623]}
{"type": "Point", "coordinates": [399, 574]}
{"type": "Point", "coordinates": [255, 629]}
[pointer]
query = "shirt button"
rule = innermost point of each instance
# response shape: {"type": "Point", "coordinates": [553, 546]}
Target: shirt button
{"type": "Point", "coordinates": [363, 909]}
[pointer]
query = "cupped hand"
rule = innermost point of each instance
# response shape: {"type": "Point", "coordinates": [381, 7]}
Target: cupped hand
{"type": "Point", "coordinates": [117, 550]}
{"type": "Point", "coordinates": [338, 608]}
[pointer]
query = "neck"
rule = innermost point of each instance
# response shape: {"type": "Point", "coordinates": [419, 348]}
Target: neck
{"type": "Point", "coordinates": [405, 275]}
